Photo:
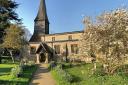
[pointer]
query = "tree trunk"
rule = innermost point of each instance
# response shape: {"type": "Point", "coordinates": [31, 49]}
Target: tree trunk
{"type": "Point", "coordinates": [66, 59]}
{"type": "Point", "coordinates": [12, 56]}
{"type": "Point", "coordinates": [94, 65]}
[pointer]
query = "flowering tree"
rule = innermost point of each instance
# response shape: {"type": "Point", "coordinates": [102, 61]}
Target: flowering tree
{"type": "Point", "coordinates": [88, 41]}
{"type": "Point", "coordinates": [107, 39]}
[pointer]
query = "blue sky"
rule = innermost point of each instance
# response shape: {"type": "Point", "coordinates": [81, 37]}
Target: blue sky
{"type": "Point", "coordinates": [65, 15]}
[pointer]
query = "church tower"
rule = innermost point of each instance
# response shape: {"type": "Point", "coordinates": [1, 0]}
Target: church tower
{"type": "Point", "coordinates": [41, 26]}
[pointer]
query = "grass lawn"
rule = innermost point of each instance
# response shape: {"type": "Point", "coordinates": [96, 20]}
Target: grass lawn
{"type": "Point", "coordinates": [82, 75]}
{"type": "Point", "coordinates": [6, 79]}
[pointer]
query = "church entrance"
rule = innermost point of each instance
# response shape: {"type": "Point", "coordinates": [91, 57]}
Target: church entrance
{"type": "Point", "coordinates": [43, 53]}
{"type": "Point", "coordinates": [42, 57]}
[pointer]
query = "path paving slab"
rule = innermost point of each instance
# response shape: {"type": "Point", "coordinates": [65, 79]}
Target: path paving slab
{"type": "Point", "coordinates": [42, 76]}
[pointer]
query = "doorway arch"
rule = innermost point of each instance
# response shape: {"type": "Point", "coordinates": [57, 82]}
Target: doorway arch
{"type": "Point", "coordinates": [42, 57]}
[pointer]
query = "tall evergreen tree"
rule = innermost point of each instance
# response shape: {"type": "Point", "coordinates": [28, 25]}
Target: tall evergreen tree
{"type": "Point", "coordinates": [7, 14]}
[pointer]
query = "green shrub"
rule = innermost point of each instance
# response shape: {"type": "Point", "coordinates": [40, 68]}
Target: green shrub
{"type": "Point", "coordinates": [31, 63]}
{"type": "Point", "coordinates": [63, 75]}
{"type": "Point", "coordinates": [16, 71]}
{"type": "Point", "coordinates": [66, 76]}
{"type": "Point", "coordinates": [64, 65]}
{"type": "Point", "coordinates": [51, 65]}
{"type": "Point", "coordinates": [4, 61]}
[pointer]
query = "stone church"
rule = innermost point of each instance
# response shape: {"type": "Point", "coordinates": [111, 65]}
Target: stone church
{"type": "Point", "coordinates": [45, 47]}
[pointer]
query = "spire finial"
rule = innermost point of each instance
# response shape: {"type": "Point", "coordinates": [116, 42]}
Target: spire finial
{"type": "Point", "coordinates": [42, 13]}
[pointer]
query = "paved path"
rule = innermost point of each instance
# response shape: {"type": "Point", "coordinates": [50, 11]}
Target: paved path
{"type": "Point", "coordinates": [42, 76]}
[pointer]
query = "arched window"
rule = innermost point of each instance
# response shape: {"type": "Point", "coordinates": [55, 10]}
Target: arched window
{"type": "Point", "coordinates": [32, 50]}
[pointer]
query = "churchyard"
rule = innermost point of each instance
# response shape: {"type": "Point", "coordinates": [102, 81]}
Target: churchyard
{"type": "Point", "coordinates": [102, 58]}
{"type": "Point", "coordinates": [15, 74]}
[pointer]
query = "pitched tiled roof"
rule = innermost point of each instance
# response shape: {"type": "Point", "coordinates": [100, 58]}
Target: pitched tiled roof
{"type": "Point", "coordinates": [43, 47]}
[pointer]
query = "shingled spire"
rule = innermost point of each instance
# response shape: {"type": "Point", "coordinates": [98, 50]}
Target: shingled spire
{"type": "Point", "coordinates": [41, 23]}
{"type": "Point", "coordinates": [42, 13]}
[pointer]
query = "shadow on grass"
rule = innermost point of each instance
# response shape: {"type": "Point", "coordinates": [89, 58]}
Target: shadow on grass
{"type": "Point", "coordinates": [12, 83]}
{"type": "Point", "coordinates": [76, 79]}
{"type": "Point", "coordinates": [71, 65]}
{"type": "Point", "coordinates": [27, 75]}
{"type": "Point", "coordinates": [35, 84]}
{"type": "Point", "coordinates": [4, 71]}
{"type": "Point", "coordinates": [123, 71]}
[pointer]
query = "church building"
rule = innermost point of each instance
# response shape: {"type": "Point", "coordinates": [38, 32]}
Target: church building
{"type": "Point", "coordinates": [45, 47]}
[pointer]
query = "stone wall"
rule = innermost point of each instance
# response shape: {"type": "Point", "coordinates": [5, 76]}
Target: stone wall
{"type": "Point", "coordinates": [64, 40]}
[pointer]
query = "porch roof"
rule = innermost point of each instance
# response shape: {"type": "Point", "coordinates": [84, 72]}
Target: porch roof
{"type": "Point", "coordinates": [44, 48]}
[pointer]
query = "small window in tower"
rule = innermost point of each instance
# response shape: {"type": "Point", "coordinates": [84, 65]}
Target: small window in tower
{"type": "Point", "coordinates": [70, 37]}
{"type": "Point", "coordinates": [53, 38]}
